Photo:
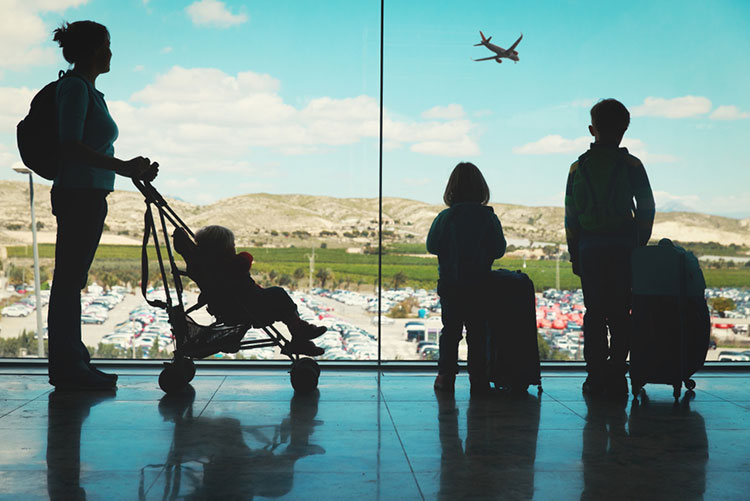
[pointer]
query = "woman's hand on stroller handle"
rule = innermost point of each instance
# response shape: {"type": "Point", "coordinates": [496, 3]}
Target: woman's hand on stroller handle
{"type": "Point", "coordinates": [141, 168]}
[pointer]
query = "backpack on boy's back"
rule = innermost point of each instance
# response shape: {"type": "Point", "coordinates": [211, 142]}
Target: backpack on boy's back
{"type": "Point", "coordinates": [605, 201]}
{"type": "Point", "coordinates": [671, 322]}
{"type": "Point", "coordinates": [37, 134]}
{"type": "Point", "coordinates": [513, 349]}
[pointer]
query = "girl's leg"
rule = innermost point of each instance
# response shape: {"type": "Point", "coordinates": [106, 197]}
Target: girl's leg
{"type": "Point", "coordinates": [451, 334]}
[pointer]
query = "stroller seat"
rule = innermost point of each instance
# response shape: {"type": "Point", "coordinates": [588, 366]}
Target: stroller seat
{"type": "Point", "coordinates": [233, 318]}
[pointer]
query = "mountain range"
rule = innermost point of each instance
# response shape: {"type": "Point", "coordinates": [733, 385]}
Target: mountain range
{"type": "Point", "coordinates": [304, 220]}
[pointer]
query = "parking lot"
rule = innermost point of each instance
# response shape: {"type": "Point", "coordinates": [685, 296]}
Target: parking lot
{"type": "Point", "coordinates": [122, 318]}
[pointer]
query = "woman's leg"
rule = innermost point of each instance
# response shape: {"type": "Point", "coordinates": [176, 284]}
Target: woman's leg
{"type": "Point", "coordinates": [80, 219]}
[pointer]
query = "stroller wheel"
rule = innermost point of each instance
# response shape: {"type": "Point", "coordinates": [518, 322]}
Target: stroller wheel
{"type": "Point", "coordinates": [309, 362]}
{"type": "Point", "coordinates": [172, 379]}
{"type": "Point", "coordinates": [188, 369]}
{"type": "Point", "coordinates": [304, 376]}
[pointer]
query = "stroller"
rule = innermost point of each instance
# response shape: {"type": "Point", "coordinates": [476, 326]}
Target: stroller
{"type": "Point", "coordinates": [192, 340]}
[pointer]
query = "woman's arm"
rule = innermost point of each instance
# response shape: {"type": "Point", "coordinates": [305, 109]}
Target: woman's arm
{"type": "Point", "coordinates": [138, 167]}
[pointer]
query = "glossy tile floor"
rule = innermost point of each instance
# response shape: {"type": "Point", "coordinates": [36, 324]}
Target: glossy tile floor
{"type": "Point", "coordinates": [245, 435]}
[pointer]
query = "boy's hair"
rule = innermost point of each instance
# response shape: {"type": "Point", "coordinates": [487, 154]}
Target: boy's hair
{"type": "Point", "coordinates": [215, 240]}
{"type": "Point", "coordinates": [610, 118]}
{"type": "Point", "coordinates": [466, 184]}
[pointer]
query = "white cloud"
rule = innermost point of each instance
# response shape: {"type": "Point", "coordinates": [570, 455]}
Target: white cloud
{"type": "Point", "coordinates": [25, 40]}
{"type": "Point", "coordinates": [449, 112]}
{"type": "Point", "coordinates": [14, 105]}
{"type": "Point", "coordinates": [679, 107]}
{"type": "Point", "coordinates": [139, 67]}
{"type": "Point", "coordinates": [638, 148]}
{"type": "Point", "coordinates": [213, 13]}
{"type": "Point", "coordinates": [554, 143]}
{"type": "Point", "coordinates": [666, 201]}
{"type": "Point", "coordinates": [204, 119]}
{"type": "Point", "coordinates": [582, 103]}
{"type": "Point", "coordinates": [728, 113]}
{"type": "Point", "coordinates": [166, 50]}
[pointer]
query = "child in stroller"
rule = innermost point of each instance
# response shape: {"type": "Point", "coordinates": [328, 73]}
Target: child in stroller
{"type": "Point", "coordinates": [265, 305]}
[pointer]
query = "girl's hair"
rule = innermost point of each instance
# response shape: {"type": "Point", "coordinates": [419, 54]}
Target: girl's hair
{"type": "Point", "coordinates": [79, 40]}
{"type": "Point", "coordinates": [466, 184]}
{"type": "Point", "coordinates": [215, 240]}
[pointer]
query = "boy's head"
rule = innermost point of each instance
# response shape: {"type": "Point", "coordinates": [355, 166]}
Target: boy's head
{"type": "Point", "coordinates": [466, 184]}
{"type": "Point", "coordinates": [609, 121]}
{"type": "Point", "coordinates": [215, 240]}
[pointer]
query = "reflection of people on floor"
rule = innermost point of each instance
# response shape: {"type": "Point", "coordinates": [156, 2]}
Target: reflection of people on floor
{"type": "Point", "coordinates": [213, 454]}
{"type": "Point", "coordinates": [669, 444]}
{"type": "Point", "coordinates": [661, 455]}
{"type": "Point", "coordinates": [66, 412]}
{"type": "Point", "coordinates": [498, 457]}
{"type": "Point", "coordinates": [604, 448]}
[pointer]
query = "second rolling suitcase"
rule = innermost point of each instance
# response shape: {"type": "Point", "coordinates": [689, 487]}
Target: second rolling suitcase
{"type": "Point", "coordinates": [513, 351]}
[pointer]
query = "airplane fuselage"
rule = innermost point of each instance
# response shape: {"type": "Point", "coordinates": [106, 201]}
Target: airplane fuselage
{"type": "Point", "coordinates": [502, 53]}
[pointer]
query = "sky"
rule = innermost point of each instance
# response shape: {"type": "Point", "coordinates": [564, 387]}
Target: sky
{"type": "Point", "coordinates": [234, 97]}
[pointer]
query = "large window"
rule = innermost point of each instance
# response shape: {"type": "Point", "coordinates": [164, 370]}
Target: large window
{"type": "Point", "coordinates": [265, 119]}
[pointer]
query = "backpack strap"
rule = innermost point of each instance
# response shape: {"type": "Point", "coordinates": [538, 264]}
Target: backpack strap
{"type": "Point", "coordinates": [587, 180]}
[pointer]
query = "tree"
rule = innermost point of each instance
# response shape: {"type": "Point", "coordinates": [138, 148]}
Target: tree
{"type": "Point", "coordinates": [272, 275]}
{"type": "Point", "coordinates": [285, 279]}
{"type": "Point", "coordinates": [299, 273]}
{"type": "Point", "coordinates": [323, 275]}
{"type": "Point", "coordinates": [721, 304]}
{"type": "Point", "coordinates": [398, 280]}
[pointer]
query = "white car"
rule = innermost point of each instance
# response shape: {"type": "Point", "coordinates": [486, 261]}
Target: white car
{"type": "Point", "coordinates": [16, 310]}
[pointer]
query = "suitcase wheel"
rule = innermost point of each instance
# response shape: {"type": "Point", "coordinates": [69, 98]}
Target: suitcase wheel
{"type": "Point", "coordinates": [690, 384]}
{"type": "Point", "coordinates": [677, 390]}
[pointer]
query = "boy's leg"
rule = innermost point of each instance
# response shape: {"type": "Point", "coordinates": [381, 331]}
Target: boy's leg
{"type": "Point", "coordinates": [594, 282]}
{"type": "Point", "coordinates": [619, 320]}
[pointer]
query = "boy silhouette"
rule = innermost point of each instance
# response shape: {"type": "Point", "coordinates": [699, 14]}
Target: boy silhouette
{"type": "Point", "coordinates": [603, 225]}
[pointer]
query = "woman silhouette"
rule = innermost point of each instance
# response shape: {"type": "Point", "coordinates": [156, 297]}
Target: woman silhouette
{"type": "Point", "coordinates": [85, 178]}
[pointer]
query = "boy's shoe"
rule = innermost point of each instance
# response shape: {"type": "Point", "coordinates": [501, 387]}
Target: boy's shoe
{"type": "Point", "coordinates": [445, 383]}
{"type": "Point", "coordinates": [304, 347]}
{"type": "Point", "coordinates": [593, 387]}
{"type": "Point", "coordinates": [306, 330]}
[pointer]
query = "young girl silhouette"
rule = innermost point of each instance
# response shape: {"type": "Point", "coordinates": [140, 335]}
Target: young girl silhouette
{"type": "Point", "coordinates": [467, 237]}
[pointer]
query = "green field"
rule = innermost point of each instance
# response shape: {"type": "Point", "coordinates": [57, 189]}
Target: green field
{"type": "Point", "coordinates": [351, 270]}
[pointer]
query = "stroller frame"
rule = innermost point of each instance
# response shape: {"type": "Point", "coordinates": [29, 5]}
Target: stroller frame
{"type": "Point", "coordinates": [304, 372]}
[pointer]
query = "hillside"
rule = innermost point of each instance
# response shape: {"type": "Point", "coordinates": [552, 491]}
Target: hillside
{"type": "Point", "coordinates": [283, 220]}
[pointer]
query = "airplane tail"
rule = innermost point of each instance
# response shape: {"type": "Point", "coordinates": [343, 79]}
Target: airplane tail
{"type": "Point", "coordinates": [484, 40]}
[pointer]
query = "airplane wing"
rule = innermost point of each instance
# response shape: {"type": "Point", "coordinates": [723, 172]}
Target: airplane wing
{"type": "Point", "coordinates": [485, 58]}
{"type": "Point", "coordinates": [513, 47]}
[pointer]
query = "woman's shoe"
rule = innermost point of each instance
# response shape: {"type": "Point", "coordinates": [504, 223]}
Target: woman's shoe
{"type": "Point", "coordinates": [83, 381]}
{"type": "Point", "coordinates": [109, 377]}
{"type": "Point", "coordinates": [445, 383]}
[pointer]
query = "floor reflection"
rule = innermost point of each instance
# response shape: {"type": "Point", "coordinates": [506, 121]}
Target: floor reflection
{"type": "Point", "coordinates": [66, 412]}
{"type": "Point", "coordinates": [222, 458]}
{"type": "Point", "coordinates": [659, 452]}
{"type": "Point", "coordinates": [498, 456]}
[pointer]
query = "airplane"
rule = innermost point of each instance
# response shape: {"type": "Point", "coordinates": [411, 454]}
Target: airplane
{"type": "Point", "coordinates": [510, 53]}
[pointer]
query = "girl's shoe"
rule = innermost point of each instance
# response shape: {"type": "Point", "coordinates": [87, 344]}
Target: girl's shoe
{"type": "Point", "coordinates": [445, 383]}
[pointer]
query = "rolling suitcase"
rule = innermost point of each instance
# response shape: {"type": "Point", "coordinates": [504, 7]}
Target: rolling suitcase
{"type": "Point", "coordinates": [512, 344]}
{"type": "Point", "coordinates": [671, 323]}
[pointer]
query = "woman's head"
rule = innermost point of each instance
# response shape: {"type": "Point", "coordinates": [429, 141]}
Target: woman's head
{"type": "Point", "coordinates": [84, 43]}
{"type": "Point", "coordinates": [466, 184]}
{"type": "Point", "coordinates": [215, 240]}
